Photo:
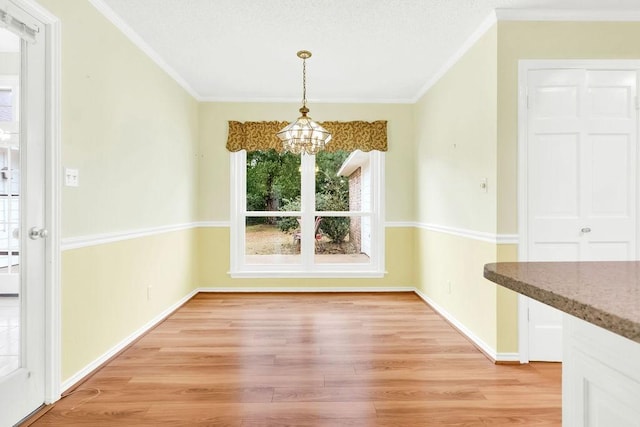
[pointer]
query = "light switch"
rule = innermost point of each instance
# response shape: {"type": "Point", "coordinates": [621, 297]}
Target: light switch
{"type": "Point", "coordinates": [484, 186]}
{"type": "Point", "coordinates": [71, 177]}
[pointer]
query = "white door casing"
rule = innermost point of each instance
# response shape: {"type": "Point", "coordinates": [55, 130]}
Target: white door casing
{"type": "Point", "coordinates": [577, 192]}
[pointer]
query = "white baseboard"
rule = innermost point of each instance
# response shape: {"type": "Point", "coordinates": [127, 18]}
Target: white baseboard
{"type": "Point", "coordinates": [81, 374]}
{"type": "Point", "coordinates": [311, 289]}
{"type": "Point", "coordinates": [508, 357]}
{"type": "Point", "coordinates": [483, 346]}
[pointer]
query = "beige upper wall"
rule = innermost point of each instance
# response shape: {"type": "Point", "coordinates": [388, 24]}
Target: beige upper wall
{"type": "Point", "coordinates": [544, 40]}
{"type": "Point", "coordinates": [456, 143]}
{"type": "Point", "coordinates": [214, 157]}
{"type": "Point", "coordinates": [128, 127]}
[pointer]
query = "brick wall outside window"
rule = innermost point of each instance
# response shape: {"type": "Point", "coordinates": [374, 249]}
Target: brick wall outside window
{"type": "Point", "coordinates": [355, 204]}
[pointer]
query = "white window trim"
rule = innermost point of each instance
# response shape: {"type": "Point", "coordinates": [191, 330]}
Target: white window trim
{"type": "Point", "coordinates": [306, 269]}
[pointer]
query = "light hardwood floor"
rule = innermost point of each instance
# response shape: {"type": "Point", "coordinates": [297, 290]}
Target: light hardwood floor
{"type": "Point", "coordinates": [320, 359]}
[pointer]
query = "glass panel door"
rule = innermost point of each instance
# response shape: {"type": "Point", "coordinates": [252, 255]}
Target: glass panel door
{"type": "Point", "coordinates": [9, 203]}
{"type": "Point", "coordinates": [22, 214]}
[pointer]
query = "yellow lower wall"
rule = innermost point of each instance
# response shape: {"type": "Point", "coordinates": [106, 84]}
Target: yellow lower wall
{"type": "Point", "coordinates": [485, 309]}
{"type": "Point", "coordinates": [104, 291]}
{"type": "Point", "coordinates": [213, 265]}
{"type": "Point", "coordinates": [507, 321]}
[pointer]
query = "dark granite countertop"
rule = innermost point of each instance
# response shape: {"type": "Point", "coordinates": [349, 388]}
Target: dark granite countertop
{"type": "Point", "coordinates": [606, 293]}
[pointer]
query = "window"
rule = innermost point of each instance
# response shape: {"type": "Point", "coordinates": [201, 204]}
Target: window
{"type": "Point", "coordinates": [307, 216]}
{"type": "Point", "coordinates": [9, 176]}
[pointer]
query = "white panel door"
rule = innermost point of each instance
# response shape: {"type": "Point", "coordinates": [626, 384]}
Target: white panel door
{"type": "Point", "coordinates": [581, 178]}
{"type": "Point", "coordinates": [609, 162]}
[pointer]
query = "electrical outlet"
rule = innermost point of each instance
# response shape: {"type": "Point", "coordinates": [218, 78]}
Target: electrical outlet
{"type": "Point", "coordinates": [449, 286]}
{"type": "Point", "coordinates": [149, 292]}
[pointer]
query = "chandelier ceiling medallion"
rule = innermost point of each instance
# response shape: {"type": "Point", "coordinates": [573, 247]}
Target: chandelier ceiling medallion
{"type": "Point", "coordinates": [304, 136]}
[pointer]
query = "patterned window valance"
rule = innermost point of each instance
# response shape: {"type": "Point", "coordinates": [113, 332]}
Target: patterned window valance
{"type": "Point", "coordinates": [348, 136]}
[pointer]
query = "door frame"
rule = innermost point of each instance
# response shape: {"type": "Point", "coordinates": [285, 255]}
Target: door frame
{"type": "Point", "coordinates": [52, 327]}
{"type": "Point", "coordinates": [524, 66]}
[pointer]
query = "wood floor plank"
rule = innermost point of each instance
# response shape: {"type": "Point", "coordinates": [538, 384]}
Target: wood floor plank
{"type": "Point", "coordinates": [248, 411]}
{"type": "Point", "coordinates": [309, 359]}
{"type": "Point", "coordinates": [376, 394]}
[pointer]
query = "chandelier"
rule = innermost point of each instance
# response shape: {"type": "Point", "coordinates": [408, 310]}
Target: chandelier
{"type": "Point", "coordinates": [304, 136]}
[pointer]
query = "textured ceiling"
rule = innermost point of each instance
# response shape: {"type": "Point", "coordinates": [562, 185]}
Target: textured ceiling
{"type": "Point", "coordinates": [363, 50]}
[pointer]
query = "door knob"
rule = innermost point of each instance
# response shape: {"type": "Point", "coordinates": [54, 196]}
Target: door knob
{"type": "Point", "coordinates": [585, 230]}
{"type": "Point", "coordinates": [38, 233]}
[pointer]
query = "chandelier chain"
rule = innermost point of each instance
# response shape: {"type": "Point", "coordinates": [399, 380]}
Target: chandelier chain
{"type": "Point", "coordinates": [304, 82]}
{"type": "Point", "coordinates": [304, 136]}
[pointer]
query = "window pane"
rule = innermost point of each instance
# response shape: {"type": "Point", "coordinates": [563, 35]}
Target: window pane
{"type": "Point", "coordinates": [6, 105]}
{"type": "Point", "coordinates": [10, 281]}
{"type": "Point", "coordinates": [341, 240]}
{"type": "Point", "coordinates": [273, 181]}
{"type": "Point", "coordinates": [332, 190]}
{"type": "Point", "coordinates": [343, 181]}
{"type": "Point", "coordinates": [272, 240]}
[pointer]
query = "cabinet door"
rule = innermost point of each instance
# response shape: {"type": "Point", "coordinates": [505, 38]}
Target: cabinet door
{"type": "Point", "coordinates": [601, 377]}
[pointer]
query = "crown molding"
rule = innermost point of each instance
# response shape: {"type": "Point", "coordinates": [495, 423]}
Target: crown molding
{"type": "Point", "coordinates": [309, 101]}
{"type": "Point", "coordinates": [135, 38]}
{"type": "Point", "coordinates": [488, 22]}
{"type": "Point", "coordinates": [567, 15]}
{"type": "Point", "coordinates": [526, 15]}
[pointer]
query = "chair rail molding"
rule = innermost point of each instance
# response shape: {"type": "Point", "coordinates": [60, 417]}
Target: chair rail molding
{"type": "Point", "coordinates": [78, 242]}
{"type": "Point", "coordinates": [500, 239]}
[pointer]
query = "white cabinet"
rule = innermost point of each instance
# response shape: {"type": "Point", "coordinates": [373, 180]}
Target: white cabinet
{"type": "Point", "coordinates": [600, 377]}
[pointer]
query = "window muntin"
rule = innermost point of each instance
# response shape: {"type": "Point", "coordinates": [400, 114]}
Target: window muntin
{"type": "Point", "coordinates": [322, 191]}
